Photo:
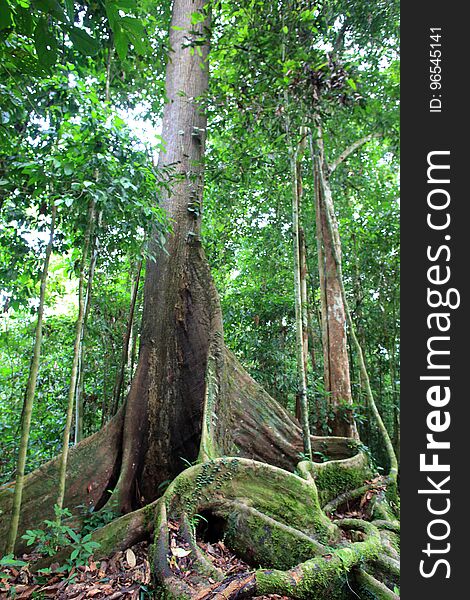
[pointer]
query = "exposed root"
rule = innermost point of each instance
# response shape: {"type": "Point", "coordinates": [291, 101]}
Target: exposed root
{"type": "Point", "coordinates": [322, 578]}
{"type": "Point", "coordinates": [257, 506]}
{"type": "Point", "coordinates": [345, 497]}
{"type": "Point", "coordinates": [390, 525]}
{"type": "Point", "coordinates": [379, 590]}
{"type": "Point", "coordinates": [334, 478]}
{"type": "Point", "coordinates": [388, 565]}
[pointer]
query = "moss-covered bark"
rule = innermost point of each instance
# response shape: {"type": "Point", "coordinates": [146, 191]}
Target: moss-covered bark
{"type": "Point", "coordinates": [273, 520]}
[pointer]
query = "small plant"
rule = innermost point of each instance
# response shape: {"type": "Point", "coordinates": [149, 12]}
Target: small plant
{"type": "Point", "coordinates": [84, 547]}
{"type": "Point", "coordinates": [318, 453]}
{"type": "Point", "coordinates": [163, 485]}
{"type": "Point", "coordinates": [352, 411]}
{"type": "Point", "coordinates": [321, 455]}
{"type": "Point", "coordinates": [372, 462]}
{"type": "Point", "coordinates": [95, 520]}
{"type": "Point", "coordinates": [196, 519]}
{"type": "Point", "coordinates": [9, 561]}
{"type": "Point", "coordinates": [56, 536]}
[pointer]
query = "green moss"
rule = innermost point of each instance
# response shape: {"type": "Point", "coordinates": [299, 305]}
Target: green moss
{"type": "Point", "coordinates": [320, 578]}
{"type": "Point", "coordinates": [335, 478]}
{"type": "Point", "coordinates": [259, 541]}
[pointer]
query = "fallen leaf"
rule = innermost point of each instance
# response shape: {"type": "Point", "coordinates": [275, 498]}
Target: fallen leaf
{"type": "Point", "coordinates": [180, 552]}
{"type": "Point", "coordinates": [131, 559]}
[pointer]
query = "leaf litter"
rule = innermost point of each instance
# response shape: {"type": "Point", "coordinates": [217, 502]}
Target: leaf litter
{"type": "Point", "coordinates": [125, 575]}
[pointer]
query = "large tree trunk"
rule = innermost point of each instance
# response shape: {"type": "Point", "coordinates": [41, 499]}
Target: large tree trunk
{"type": "Point", "coordinates": [335, 343]}
{"type": "Point", "coordinates": [163, 413]}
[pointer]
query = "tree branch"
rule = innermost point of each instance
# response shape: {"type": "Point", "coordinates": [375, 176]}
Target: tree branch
{"type": "Point", "coordinates": [352, 148]}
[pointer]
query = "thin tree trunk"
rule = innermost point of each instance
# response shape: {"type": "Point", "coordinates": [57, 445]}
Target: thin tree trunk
{"type": "Point", "coordinates": [395, 395]}
{"type": "Point", "coordinates": [29, 395]}
{"type": "Point", "coordinates": [76, 358]}
{"type": "Point", "coordinates": [132, 355]}
{"type": "Point", "coordinates": [302, 246]}
{"type": "Point", "coordinates": [300, 291]}
{"type": "Point", "coordinates": [109, 60]}
{"type": "Point", "coordinates": [125, 348]}
{"type": "Point", "coordinates": [306, 298]}
{"type": "Point", "coordinates": [79, 407]}
{"type": "Point", "coordinates": [104, 400]}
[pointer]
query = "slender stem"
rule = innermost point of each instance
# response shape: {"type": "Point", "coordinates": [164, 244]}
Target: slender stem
{"type": "Point", "coordinates": [81, 371]}
{"type": "Point", "coordinates": [74, 371]}
{"type": "Point", "coordinates": [299, 312]}
{"type": "Point", "coordinates": [352, 148]}
{"type": "Point", "coordinates": [125, 349]}
{"type": "Point", "coordinates": [29, 395]}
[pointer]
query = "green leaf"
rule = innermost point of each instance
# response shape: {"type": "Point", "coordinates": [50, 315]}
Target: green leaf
{"type": "Point", "coordinates": [70, 9]}
{"type": "Point", "coordinates": [197, 17]}
{"type": "Point", "coordinates": [73, 534]}
{"type": "Point", "coordinates": [136, 33]}
{"type": "Point", "coordinates": [75, 553]}
{"type": "Point", "coordinates": [129, 4]}
{"type": "Point", "coordinates": [52, 7]}
{"type": "Point", "coordinates": [10, 561]}
{"type": "Point", "coordinates": [112, 13]}
{"type": "Point", "coordinates": [5, 15]}
{"type": "Point", "coordinates": [352, 84]}
{"type": "Point", "coordinates": [121, 43]}
{"type": "Point", "coordinates": [84, 43]}
{"type": "Point", "coordinates": [45, 43]}
{"type": "Point", "coordinates": [24, 21]}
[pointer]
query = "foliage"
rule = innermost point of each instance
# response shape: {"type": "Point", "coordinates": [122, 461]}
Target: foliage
{"type": "Point", "coordinates": [10, 561]}
{"type": "Point", "coordinates": [75, 78]}
{"type": "Point", "coordinates": [56, 535]}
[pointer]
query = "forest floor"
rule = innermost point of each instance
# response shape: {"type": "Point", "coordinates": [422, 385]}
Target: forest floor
{"type": "Point", "coordinates": [127, 575]}
{"type": "Point", "coordinates": [124, 575]}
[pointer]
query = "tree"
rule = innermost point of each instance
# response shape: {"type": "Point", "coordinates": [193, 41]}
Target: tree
{"type": "Point", "coordinates": [29, 395]}
{"type": "Point", "coordinates": [335, 350]}
{"type": "Point", "coordinates": [191, 398]}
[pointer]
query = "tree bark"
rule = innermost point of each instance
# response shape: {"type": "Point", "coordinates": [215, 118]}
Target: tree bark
{"type": "Point", "coordinates": [30, 393]}
{"type": "Point", "coordinates": [322, 283]}
{"type": "Point", "coordinates": [79, 407]}
{"type": "Point", "coordinates": [327, 202]}
{"type": "Point", "coordinates": [335, 348]}
{"type": "Point", "coordinates": [163, 412]}
{"type": "Point", "coordinates": [300, 293]}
